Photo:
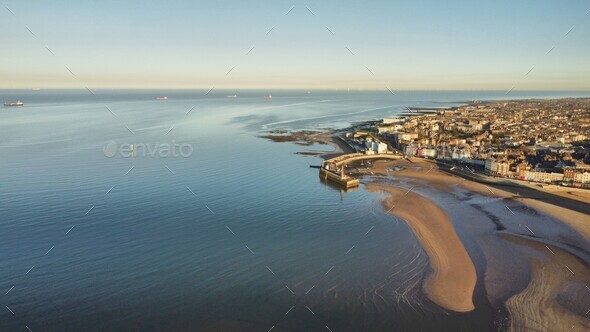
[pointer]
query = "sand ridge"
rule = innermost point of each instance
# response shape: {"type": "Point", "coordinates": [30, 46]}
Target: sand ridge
{"type": "Point", "coordinates": [548, 284]}
{"type": "Point", "coordinates": [452, 282]}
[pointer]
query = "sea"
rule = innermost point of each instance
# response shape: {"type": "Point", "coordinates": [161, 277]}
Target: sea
{"type": "Point", "coordinates": [119, 211]}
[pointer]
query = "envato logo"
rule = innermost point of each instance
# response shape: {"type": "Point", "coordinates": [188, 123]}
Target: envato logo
{"type": "Point", "coordinates": [162, 150]}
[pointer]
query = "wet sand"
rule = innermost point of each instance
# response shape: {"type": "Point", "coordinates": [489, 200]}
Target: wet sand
{"type": "Point", "coordinates": [556, 299]}
{"type": "Point", "coordinates": [525, 273]}
{"type": "Point", "coordinates": [452, 281]}
{"type": "Point", "coordinates": [548, 203]}
{"type": "Point", "coordinates": [576, 220]}
{"type": "Point", "coordinates": [582, 195]}
{"type": "Point", "coordinates": [542, 294]}
{"type": "Point", "coordinates": [339, 146]}
{"type": "Point", "coordinates": [310, 138]}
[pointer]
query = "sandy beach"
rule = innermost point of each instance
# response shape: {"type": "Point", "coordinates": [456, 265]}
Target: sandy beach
{"type": "Point", "coordinates": [550, 302]}
{"type": "Point", "coordinates": [577, 220]}
{"type": "Point", "coordinates": [518, 242]}
{"type": "Point", "coordinates": [547, 201]}
{"type": "Point", "coordinates": [452, 281]}
{"type": "Point", "coordinates": [508, 226]}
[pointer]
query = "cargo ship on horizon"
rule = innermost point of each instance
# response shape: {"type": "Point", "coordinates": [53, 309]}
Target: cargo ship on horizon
{"type": "Point", "coordinates": [17, 104]}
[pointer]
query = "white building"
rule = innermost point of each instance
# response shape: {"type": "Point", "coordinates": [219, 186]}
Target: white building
{"type": "Point", "coordinates": [375, 147]}
{"type": "Point", "coordinates": [582, 177]}
{"type": "Point", "coordinates": [393, 120]}
{"type": "Point", "coordinates": [389, 129]}
{"type": "Point", "coordinates": [429, 153]}
{"type": "Point", "coordinates": [405, 136]}
{"type": "Point", "coordinates": [491, 165]}
{"type": "Point", "coordinates": [543, 176]}
{"type": "Point", "coordinates": [495, 167]}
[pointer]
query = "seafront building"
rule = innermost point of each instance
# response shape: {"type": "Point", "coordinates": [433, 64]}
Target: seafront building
{"type": "Point", "coordinates": [544, 141]}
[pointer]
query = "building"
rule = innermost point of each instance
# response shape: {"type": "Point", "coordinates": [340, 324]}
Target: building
{"type": "Point", "coordinates": [430, 153]}
{"type": "Point", "coordinates": [388, 129]}
{"type": "Point", "coordinates": [461, 154]}
{"type": "Point", "coordinates": [495, 167]}
{"type": "Point", "coordinates": [569, 174]}
{"type": "Point", "coordinates": [582, 177]}
{"type": "Point", "coordinates": [393, 120]}
{"type": "Point", "coordinates": [404, 137]}
{"type": "Point", "coordinates": [374, 147]}
{"type": "Point", "coordinates": [543, 176]}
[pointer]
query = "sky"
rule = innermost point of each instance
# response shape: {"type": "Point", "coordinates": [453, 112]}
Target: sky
{"type": "Point", "coordinates": [277, 44]}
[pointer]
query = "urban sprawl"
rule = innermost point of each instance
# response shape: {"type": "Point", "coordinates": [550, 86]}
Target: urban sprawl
{"type": "Point", "coordinates": [544, 141]}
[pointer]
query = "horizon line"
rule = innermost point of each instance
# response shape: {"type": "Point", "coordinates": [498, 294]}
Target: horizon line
{"type": "Point", "coordinates": [393, 91]}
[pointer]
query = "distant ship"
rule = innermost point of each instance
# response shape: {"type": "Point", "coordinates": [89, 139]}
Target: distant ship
{"type": "Point", "coordinates": [36, 89]}
{"type": "Point", "coordinates": [268, 97]}
{"type": "Point", "coordinates": [18, 104]}
{"type": "Point", "coordinates": [234, 96]}
{"type": "Point", "coordinates": [161, 98]}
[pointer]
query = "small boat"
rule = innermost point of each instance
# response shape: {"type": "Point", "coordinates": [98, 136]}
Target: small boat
{"type": "Point", "coordinates": [234, 96]}
{"type": "Point", "coordinates": [36, 89]}
{"type": "Point", "coordinates": [268, 97]}
{"type": "Point", "coordinates": [17, 104]}
{"type": "Point", "coordinates": [161, 98]}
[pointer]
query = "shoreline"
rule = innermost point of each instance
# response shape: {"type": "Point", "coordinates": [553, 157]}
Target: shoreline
{"type": "Point", "coordinates": [575, 213]}
{"type": "Point", "coordinates": [490, 236]}
{"type": "Point", "coordinates": [451, 284]}
{"type": "Point", "coordinates": [563, 234]}
{"type": "Point", "coordinates": [550, 303]}
{"type": "Point", "coordinates": [539, 289]}
{"type": "Point", "coordinates": [528, 188]}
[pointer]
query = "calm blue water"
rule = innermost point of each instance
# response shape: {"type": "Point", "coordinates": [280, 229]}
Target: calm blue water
{"type": "Point", "coordinates": [239, 235]}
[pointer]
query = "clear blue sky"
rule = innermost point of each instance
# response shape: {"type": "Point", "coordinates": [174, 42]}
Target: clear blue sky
{"type": "Point", "coordinates": [187, 44]}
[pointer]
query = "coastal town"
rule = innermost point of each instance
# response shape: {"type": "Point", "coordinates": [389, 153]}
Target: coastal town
{"type": "Point", "coordinates": [541, 141]}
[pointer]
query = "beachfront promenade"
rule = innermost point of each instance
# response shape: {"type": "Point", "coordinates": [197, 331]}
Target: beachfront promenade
{"type": "Point", "coordinates": [333, 169]}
